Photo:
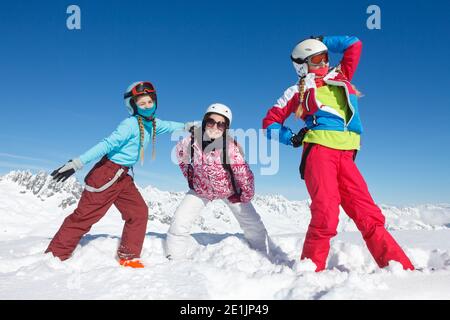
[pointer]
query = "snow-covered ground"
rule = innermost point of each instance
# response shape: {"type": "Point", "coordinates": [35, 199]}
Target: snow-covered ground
{"type": "Point", "coordinates": [221, 266]}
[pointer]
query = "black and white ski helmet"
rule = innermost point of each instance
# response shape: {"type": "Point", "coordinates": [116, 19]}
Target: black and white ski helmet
{"type": "Point", "coordinates": [136, 89]}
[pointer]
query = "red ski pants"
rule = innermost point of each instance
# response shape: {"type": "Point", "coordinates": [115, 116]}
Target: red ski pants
{"type": "Point", "coordinates": [332, 178]}
{"type": "Point", "coordinates": [94, 205]}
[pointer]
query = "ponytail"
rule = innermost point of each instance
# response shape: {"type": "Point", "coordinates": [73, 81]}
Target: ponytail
{"type": "Point", "coordinates": [141, 140]}
{"type": "Point", "coordinates": [153, 139]}
{"type": "Point", "coordinates": [301, 90]}
{"type": "Point", "coordinates": [357, 92]}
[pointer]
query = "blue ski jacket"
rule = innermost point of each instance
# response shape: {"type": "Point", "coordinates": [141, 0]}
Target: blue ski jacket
{"type": "Point", "coordinates": [122, 146]}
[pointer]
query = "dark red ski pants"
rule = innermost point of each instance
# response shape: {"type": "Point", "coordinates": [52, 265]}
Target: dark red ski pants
{"type": "Point", "coordinates": [332, 178]}
{"type": "Point", "coordinates": [94, 205]}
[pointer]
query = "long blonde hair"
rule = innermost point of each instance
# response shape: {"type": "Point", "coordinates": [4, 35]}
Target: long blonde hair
{"type": "Point", "coordinates": [301, 90]}
{"type": "Point", "coordinates": [141, 139]}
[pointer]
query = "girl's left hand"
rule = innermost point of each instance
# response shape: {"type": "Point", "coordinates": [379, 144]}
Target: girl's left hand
{"type": "Point", "coordinates": [235, 198]}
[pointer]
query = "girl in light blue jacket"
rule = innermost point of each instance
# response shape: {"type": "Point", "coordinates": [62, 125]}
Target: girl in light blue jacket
{"type": "Point", "coordinates": [108, 182]}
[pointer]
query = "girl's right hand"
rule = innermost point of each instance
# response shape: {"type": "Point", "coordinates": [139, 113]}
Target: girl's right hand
{"type": "Point", "coordinates": [64, 172]}
{"type": "Point", "coordinates": [297, 139]}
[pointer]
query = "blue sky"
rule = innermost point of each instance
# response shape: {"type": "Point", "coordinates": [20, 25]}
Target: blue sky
{"type": "Point", "coordinates": [61, 90]}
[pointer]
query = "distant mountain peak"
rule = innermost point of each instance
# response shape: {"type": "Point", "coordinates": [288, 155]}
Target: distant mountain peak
{"type": "Point", "coordinates": [43, 186]}
{"type": "Point", "coordinates": [277, 211]}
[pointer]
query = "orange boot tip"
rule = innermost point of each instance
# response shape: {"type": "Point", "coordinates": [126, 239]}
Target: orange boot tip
{"type": "Point", "coordinates": [133, 263]}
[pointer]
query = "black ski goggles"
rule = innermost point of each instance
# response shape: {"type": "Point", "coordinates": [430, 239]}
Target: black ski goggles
{"type": "Point", "coordinates": [140, 89]}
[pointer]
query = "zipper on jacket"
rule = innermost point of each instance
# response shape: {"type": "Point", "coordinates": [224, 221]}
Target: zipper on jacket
{"type": "Point", "coordinates": [306, 101]}
{"type": "Point", "coordinates": [347, 94]}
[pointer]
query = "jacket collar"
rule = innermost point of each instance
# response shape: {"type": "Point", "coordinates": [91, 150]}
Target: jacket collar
{"type": "Point", "coordinates": [310, 78]}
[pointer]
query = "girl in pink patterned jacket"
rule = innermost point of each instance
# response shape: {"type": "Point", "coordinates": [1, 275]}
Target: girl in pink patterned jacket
{"type": "Point", "coordinates": [213, 173]}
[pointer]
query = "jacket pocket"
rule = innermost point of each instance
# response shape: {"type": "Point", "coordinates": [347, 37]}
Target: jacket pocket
{"type": "Point", "coordinates": [100, 175]}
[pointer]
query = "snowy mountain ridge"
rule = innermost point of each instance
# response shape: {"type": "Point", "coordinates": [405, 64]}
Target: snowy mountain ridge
{"type": "Point", "coordinates": [294, 215]}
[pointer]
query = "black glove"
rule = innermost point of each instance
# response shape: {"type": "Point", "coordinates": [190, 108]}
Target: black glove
{"type": "Point", "coordinates": [64, 172]}
{"type": "Point", "coordinates": [297, 139]}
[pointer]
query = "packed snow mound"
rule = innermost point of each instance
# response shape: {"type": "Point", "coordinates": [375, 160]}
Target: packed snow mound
{"type": "Point", "coordinates": [226, 269]}
{"type": "Point", "coordinates": [221, 265]}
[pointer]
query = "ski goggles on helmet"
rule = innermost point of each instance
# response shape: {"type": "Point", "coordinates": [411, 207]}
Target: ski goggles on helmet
{"type": "Point", "coordinates": [139, 89]}
{"type": "Point", "coordinates": [210, 123]}
{"type": "Point", "coordinates": [318, 59]}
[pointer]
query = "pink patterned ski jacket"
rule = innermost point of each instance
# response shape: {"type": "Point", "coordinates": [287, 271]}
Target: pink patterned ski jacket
{"type": "Point", "coordinates": [211, 180]}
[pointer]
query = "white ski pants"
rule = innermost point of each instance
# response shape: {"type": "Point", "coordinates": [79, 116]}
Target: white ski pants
{"type": "Point", "coordinates": [178, 237]}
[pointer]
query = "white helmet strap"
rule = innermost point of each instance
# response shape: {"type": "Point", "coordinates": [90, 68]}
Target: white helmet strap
{"type": "Point", "coordinates": [301, 69]}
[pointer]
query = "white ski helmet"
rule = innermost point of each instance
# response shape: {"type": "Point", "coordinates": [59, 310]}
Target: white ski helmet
{"type": "Point", "coordinates": [221, 109]}
{"type": "Point", "coordinates": [136, 89]}
{"type": "Point", "coordinates": [302, 51]}
{"type": "Point", "coordinates": [306, 48]}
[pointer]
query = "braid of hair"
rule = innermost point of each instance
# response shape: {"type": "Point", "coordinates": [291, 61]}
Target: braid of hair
{"type": "Point", "coordinates": [301, 90]}
{"type": "Point", "coordinates": [141, 139]}
{"type": "Point", "coordinates": [359, 94]}
{"type": "Point", "coordinates": [153, 138]}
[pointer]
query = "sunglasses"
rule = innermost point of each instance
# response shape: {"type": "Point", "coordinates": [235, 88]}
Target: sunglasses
{"type": "Point", "coordinates": [318, 59]}
{"type": "Point", "coordinates": [210, 123]}
{"type": "Point", "coordinates": [139, 89]}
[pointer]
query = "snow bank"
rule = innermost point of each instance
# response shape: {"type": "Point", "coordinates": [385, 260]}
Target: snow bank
{"type": "Point", "coordinates": [221, 265]}
{"type": "Point", "coordinates": [228, 269]}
